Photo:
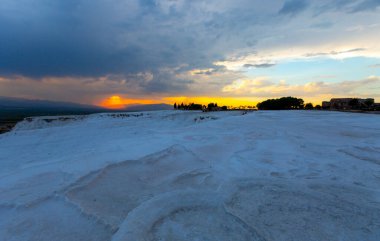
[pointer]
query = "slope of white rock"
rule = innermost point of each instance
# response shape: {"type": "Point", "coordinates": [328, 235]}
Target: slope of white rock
{"type": "Point", "coordinates": [173, 175]}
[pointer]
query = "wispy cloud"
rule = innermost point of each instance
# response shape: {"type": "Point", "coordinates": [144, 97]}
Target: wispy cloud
{"type": "Point", "coordinates": [335, 53]}
{"type": "Point", "coordinates": [264, 87]}
{"type": "Point", "coordinates": [293, 7]}
{"type": "Point", "coordinates": [366, 5]}
{"type": "Point", "coordinates": [268, 59]}
{"type": "Point", "coordinates": [265, 65]}
{"type": "Point", "coordinates": [374, 66]}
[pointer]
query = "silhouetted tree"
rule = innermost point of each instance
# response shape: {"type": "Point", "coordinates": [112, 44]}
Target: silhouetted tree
{"type": "Point", "coordinates": [210, 105]}
{"type": "Point", "coordinates": [175, 105]}
{"type": "Point", "coordinates": [318, 107]}
{"type": "Point", "coordinates": [284, 103]}
{"type": "Point", "coordinates": [193, 106]}
{"type": "Point", "coordinates": [309, 106]}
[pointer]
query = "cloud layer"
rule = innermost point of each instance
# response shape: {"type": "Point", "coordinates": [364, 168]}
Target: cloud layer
{"type": "Point", "coordinates": [263, 87]}
{"type": "Point", "coordinates": [166, 47]}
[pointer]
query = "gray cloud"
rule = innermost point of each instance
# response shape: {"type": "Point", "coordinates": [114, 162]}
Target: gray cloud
{"type": "Point", "coordinates": [293, 7]}
{"type": "Point", "coordinates": [374, 66]}
{"type": "Point", "coordinates": [366, 5]}
{"type": "Point", "coordinates": [350, 6]}
{"type": "Point", "coordinates": [96, 38]}
{"type": "Point", "coordinates": [268, 88]}
{"type": "Point", "coordinates": [266, 65]}
{"type": "Point", "coordinates": [332, 53]}
{"type": "Point", "coordinates": [322, 25]}
{"type": "Point", "coordinates": [121, 41]}
{"type": "Point", "coordinates": [210, 71]}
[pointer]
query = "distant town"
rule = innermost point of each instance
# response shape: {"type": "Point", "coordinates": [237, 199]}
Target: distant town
{"type": "Point", "coordinates": [293, 103]}
{"type": "Point", "coordinates": [351, 104]}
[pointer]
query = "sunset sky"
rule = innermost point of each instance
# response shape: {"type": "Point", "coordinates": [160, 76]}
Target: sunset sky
{"type": "Point", "coordinates": [235, 52]}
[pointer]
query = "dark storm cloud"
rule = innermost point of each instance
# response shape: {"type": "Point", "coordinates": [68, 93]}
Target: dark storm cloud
{"type": "Point", "coordinates": [95, 38]}
{"type": "Point", "coordinates": [76, 38]}
{"type": "Point", "coordinates": [58, 38]}
{"type": "Point", "coordinates": [130, 39]}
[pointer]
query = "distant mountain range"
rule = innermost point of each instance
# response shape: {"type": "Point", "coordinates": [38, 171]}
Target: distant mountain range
{"type": "Point", "coordinates": [19, 103]}
{"type": "Point", "coordinates": [13, 110]}
{"type": "Point", "coordinates": [17, 108]}
{"type": "Point", "coordinates": [150, 107]}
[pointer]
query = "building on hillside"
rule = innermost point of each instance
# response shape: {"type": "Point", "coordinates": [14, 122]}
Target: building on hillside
{"type": "Point", "coordinates": [348, 103]}
{"type": "Point", "coordinates": [340, 103]}
{"type": "Point", "coordinates": [326, 105]}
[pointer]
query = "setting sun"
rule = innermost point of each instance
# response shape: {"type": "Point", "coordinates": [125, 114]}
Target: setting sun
{"type": "Point", "coordinates": [115, 100]}
{"type": "Point", "coordinates": [118, 102]}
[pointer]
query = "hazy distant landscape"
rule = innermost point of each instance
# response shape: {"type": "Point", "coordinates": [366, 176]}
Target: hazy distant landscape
{"type": "Point", "coordinates": [13, 110]}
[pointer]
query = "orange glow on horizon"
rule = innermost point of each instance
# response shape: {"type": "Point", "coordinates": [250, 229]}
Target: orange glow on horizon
{"type": "Point", "coordinates": [227, 101]}
{"type": "Point", "coordinates": [117, 102]}
{"type": "Point", "coordinates": [238, 101]}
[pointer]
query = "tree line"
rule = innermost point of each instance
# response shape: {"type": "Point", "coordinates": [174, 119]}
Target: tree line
{"type": "Point", "coordinates": [286, 103]}
{"type": "Point", "coordinates": [193, 106]}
